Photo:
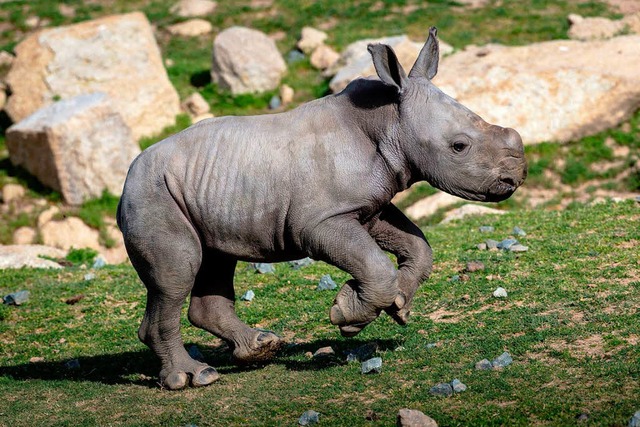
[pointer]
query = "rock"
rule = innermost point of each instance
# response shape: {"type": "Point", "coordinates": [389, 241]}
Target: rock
{"type": "Point", "coordinates": [274, 102]}
{"type": "Point", "coordinates": [263, 267]}
{"type": "Point", "coordinates": [455, 278]}
{"type": "Point", "coordinates": [431, 345]}
{"type": "Point", "coordinates": [507, 243]}
{"type": "Point", "coordinates": [191, 8]}
{"type": "Point", "coordinates": [635, 420]}
{"type": "Point", "coordinates": [492, 244]}
{"type": "Point", "coordinates": [36, 359]}
{"type": "Point", "coordinates": [18, 256]}
{"type": "Point", "coordinates": [442, 389]}
{"type": "Point", "coordinates": [195, 353]}
{"type": "Point", "coordinates": [116, 54]}
{"type": "Point", "coordinates": [248, 296]}
{"type": "Point", "coordinates": [16, 298]}
{"type": "Point", "coordinates": [89, 276]}
{"type": "Point", "coordinates": [370, 366]}
{"type": "Point", "coordinates": [430, 205]}
{"type": "Point", "coordinates": [70, 232]}
{"type": "Point", "coordinates": [6, 59]}
{"type": "Point", "coordinates": [500, 292]}
{"type": "Point", "coordinates": [593, 28]}
{"type": "Point", "coordinates": [482, 246]}
{"type": "Point", "coordinates": [99, 262]}
{"type": "Point", "coordinates": [311, 39]}
{"type": "Point", "coordinates": [502, 361]}
{"type": "Point", "coordinates": [80, 147]}
{"type": "Point", "coordinates": [485, 229]}
{"type": "Point", "coordinates": [309, 418]}
{"type": "Point", "coordinates": [414, 418]}
{"type": "Point", "coordinates": [323, 352]}
{"type": "Point", "coordinates": [11, 192]}
{"type": "Point", "coordinates": [326, 283]}
{"type": "Point", "coordinates": [246, 61]}
{"type": "Point", "coordinates": [362, 353]}
{"type": "Point", "coordinates": [469, 210]}
{"type": "Point", "coordinates": [24, 236]}
{"type": "Point", "coordinates": [473, 266]}
{"type": "Point", "coordinates": [324, 57]}
{"type": "Point", "coordinates": [195, 105]}
{"type": "Point", "coordinates": [286, 94]}
{"type": "Point", "coordinates": [458, 386]}
{"type": "Point", "coordinates": [356, 62]}
{"type": "Point", "coordinates": [47, 215]}
{"type": "Point", "coordinates": [558, 90]}
{"type": "Point", "coordinates": [299, 263]}
{"type": "Point", "coordinates": [191, 28]}
{"type": "Point", "coordinates": [66, 10]}
{"type": "Point", "coordinates": [483, 365]}
{"type": "Point", "coordinates": [295, 56]}
{"type": "Point", "coordinates": [519, 231]}
{"type": "Point", "coordinates": [518, 248]}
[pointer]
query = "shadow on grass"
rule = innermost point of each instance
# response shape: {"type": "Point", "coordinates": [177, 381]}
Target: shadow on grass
{"type": "Point", "coordinates": [142, 367]}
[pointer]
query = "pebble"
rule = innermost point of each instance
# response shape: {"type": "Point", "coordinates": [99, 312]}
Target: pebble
{"type": "Point", "coordinates": [299, 263]}
{"type": "Point", "coordinates": [248, 296]}
{"type": "Point", "coordinates": [474, 266]}
{"type": "Point", "coordinates": [442, 389]}
{"type": "Point", "coordinates": [486, 229]}
{"type": "Point", "coordinates": [309, 418]}
{"type": "Point", "coordinates": [195, 353]}
{"type": "Point", "coordinates": [274, 102]}
{"type": "Point", "coordinates": [500, 292]}
{"type": "Point", "coordinates": [72, 364]}
{"type": "Point", "coordinates": [431, 345]}
{"type": "Point", "coordinates": [458, 386]}
{"type": "Point", "coordinates": [326, 283]}
{"type": "Point", "coordinates": [36, 359]}
{"type": "Point", "coordinates": [455, 278]}
{"type": "Point", "coordinates": [362, 353]}
{"type": "Point", "coordinates": [507, 243]}
{"type": "Point", "coordinates": [295, 56]}
{"type": "Point", "coordinates": [323, 352]}
{"type": "Point", "coordinates": [99, 262]}
{"type": "Point", "coordinates": [635, 420]}
{"type": "Point", "coordinates": [582, 417]}
{"type": "Point", "coordinates": [482, 246]}
{"type": "Point", "coordinates": [89, 276]}
{"type": "Point", "coordinates": [491, 244]}
{"type": "Point", "coordinates": [483, 365]}
{"type": "Point", "coordinates": [519, 248]}
{"type": "Point", "coordinates": [16, 298]}
{"type": "Point", "coordinates": [502, 361]}
{"type": "Point", "coordinates": [519, 231]}
{"type": "Point", "coordinates": [263, 267]}
{"type": "Point", "coordinates": [373, 365]}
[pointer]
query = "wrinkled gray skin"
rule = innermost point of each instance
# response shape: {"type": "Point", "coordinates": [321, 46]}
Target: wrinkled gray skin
{"type": "Point", "coordinates": [316, 181]}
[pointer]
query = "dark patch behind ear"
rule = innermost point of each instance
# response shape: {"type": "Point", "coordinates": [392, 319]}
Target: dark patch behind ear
{"type": "Point", "coordinates": [427, 63]}
{"type": "Point", "coordinates": [387, 66]}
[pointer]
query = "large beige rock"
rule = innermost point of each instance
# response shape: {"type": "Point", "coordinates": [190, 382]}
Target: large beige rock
{"type": "Point", "coordinates": [191, 28]}
{"type": "Point", "coordinates": [594, 28]}
{"type": "Point", "coordinates": [12, 192]}
{"type": "Point", "coordinates": [79, 146]}
{"type": "Point", "coordinates": [311, 39]}
{"type": "Point", "coordinates": [116, 54]}
{"type": "Point", "coordinates": [552, 91]}
{"type": "Point", "coordinates": [356, 61]}
{"type": "Point", "coordinates": [69, 233]}
{"type": "Point", "coordinates": [430, 205]}
{"type": "Point", "coordinates": [18, 256]}
{"type": "Point", "coordinates": [414, 418]}
{"type": "Point", "coordinates": [469, 210]}
{"type": "Point", "coordinates": [246, 61]}
{"type": "Point", "coordinates": [191, 8]}
{"type": "Point", "coordinates": [24, 236]}
{"type": "Point", "coordinates": [324, 57]}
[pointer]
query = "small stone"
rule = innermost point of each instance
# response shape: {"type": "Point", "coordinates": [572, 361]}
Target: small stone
{"type": "Point", "coordinates": [373, 365]}
{"type": "Point", "coordinates": [308, 355]}
{"type": "Point", "coordinates": [502, 361]}
{"type": "Point", "coordinates": [431, 345]}
{"type": "Point", "coordinates": [99, 262]}
{"type": "Point", "coordinates": [72, 364]}
{"type": "Point", "coordinates": [299, 263]}
{"type": "Point", "coordinates": [274, 102]}
{"type": "Point", "coordinates": [464, 277]}
{"type": "Point", "coordinates": [248, 296]}
{"type": "Point", "coordinates": [323, 352]}
{"type": "Point", "coordinates": [308, 418]}
{"type": "Point", "coordinates": [324, 57]}
{"type": "Point", "coordinates": [455, 278]}
{"type": "Point", "coordinates": [500, 292]}
{"type": "Point", "coordinates": [492, 244]}
{"type": "Point", "coordinates": [89, 276]}
{"type": "Point", "coordinates": [582, 417]}
{"type": "Point", "coordinates": [483, 365]}
{"type": "Point", "coordinates": [311, 39]}
{"type": "Point", "coordinates": [519, 231]}
{"type": "Point", "coordinates": [635, 420]}
{"type": "Point", "coordinates": [362, 353]}
{"type": "Point", "coordinates": [458, 386]}
{"type": "Point", "coordinates": [482, 246]}
{"type": "Point", "coordinates": [191, 28]}
{"type": "Point", "coordinates": [286, 94]}
{"type": "Point", "coordinates": [414, 418]}
{"type": "Point", "coordinates": [295, 56]}
{"type": "Point", "coordinates": [11, 192]}
{"type": "Point", "coordinates": [190, 8]}
{"type": "Point", "coordinates": [24, 236]}
{"type": "Point", "coordinates": [16, 298]}
{"type": "Point", "coordinates": [263, 268]}
{"type": "Point", "coordinates": [507, 243]}
{"type": "Point", "coordinates": [326, 283]}
{"type": "Point", "coordinates": [486, 229]}
{"type": "Point", "coordinates": [195, 353]}
{"type": "Point", "coordinates": [195, 105]}
{"type": "Point", "coordinates": [442, 389]}
{"type": "Point", "coordinates": [473, 266]}
{"type": "Point", "coordinates": [36, 359]}
{"type": "Point", "coordinates": [519, 248]}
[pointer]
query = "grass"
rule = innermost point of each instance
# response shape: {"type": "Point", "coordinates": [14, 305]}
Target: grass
{"type": "Point", "coordinates": [570, 322]}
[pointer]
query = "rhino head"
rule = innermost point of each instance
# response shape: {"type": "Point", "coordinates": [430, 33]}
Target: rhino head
{"type": "Point", "coordinates": [444, 142]}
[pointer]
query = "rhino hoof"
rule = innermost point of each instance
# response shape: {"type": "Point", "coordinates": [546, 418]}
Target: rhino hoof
{"type": "Point", "coordinates": [266, 345]}
{"type": "Point", "coordinates": [205, 377]}
{"type": "Point", "coordinates": [175, 380]}
{"type": "Point", "coordinates": [349, 331]}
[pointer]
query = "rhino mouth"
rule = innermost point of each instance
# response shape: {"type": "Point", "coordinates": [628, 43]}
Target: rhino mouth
{"type": "Point", "coordinates": [501, 190]}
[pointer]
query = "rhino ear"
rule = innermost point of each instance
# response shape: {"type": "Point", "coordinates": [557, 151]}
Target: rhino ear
{"type": "Point", "coordinates": [427, 63]}
{"type": "Point", "coordinates": [387, 66]}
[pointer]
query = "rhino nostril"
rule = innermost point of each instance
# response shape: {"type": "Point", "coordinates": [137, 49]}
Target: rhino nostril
{"type": "Point", "coordinates": [508, 181]}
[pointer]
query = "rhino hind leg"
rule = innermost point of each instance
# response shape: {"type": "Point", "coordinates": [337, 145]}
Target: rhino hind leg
{"type": "Point", "coordinates": [212, 309]}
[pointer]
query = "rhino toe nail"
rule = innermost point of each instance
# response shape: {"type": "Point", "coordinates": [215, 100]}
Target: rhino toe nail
{"type": "Point", "coordinates": [400, 300]}
{"type": "Point", "coordinates": [175, 381]}
{"type": "Point", "coordinates": [336, 316]}
{"type": "Point", "coordinates": [205, 377]}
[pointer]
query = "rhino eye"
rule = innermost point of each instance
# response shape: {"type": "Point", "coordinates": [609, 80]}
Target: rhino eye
{"type": "Point", "coordinates": [459, 146]}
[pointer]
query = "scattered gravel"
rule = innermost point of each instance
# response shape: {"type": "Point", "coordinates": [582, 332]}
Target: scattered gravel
{"type": "Point", "coordinates": [248, 296]}
{"type": "Point", "coordinates": [442, 389]}
{"type": "Point", "coordinates": [372, 366]}
{"type": "Point", "coordinates": [309, 418]}
{"type": "Point", "coordinates": [326, 283]}
{"type": "Point", "coordinates": [500, 292]}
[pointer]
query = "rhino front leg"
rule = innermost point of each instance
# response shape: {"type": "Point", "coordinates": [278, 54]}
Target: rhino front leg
{"type": "Point", "coordinates": [212, 308]}
{"type": "Point", "coordinates": [394, 232]}
{"type": "Point", "coordinates": [344, 243]}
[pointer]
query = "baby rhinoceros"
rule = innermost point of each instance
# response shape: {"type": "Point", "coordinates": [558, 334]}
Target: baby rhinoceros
{"type": "Point", "coordinates": [316, 181]}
